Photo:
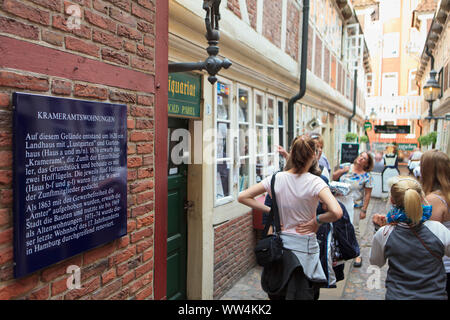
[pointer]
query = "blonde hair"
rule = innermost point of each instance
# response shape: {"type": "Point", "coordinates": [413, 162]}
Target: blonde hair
{"type": "Point", "coordinates": [435, 173]}
{"type": "Point", "coordinates": [407, 193]}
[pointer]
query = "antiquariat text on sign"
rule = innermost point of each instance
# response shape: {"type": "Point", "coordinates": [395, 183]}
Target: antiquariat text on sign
{"type": "Point", "coordinates": [184, 95]}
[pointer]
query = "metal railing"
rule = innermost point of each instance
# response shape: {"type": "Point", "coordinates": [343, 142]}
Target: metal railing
{"type": "Point", "coordinates": [396, 107]}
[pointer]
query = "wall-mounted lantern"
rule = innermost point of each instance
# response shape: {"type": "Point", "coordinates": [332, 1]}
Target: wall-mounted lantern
{"type": "Point", "coordinates": [212, 64]}
{"type": "Point", "coordinates": [431, 89]}
{"type": "Point", "coordinates": [373, 115]}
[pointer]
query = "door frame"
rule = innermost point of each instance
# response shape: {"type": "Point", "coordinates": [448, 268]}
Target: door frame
{"type": "Point", "coordinates": [176, 123]}
{"type": "Point", "coordinates": [160, 143]}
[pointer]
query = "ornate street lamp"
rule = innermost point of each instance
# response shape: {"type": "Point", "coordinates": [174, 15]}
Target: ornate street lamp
{"type": "Point", "coordinates": [212, 64]}
{"type": "Point", "coordinates": [431, 91]}
{"type": "Point", "coordinates": [373, 115]}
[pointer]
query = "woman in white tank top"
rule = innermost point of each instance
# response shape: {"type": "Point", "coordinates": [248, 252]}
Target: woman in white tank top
{"type": "Point", "coordinates": [435, 169]}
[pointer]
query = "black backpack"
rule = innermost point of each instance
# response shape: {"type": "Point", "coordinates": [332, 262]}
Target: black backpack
{"type": "Point", "coordinates": [345, 243]}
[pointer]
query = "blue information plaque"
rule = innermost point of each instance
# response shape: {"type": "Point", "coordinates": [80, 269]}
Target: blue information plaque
{"type": "Point", "coordinates": [70, 178]}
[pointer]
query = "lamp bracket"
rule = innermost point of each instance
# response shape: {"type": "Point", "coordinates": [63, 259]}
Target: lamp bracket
{"type": "Point", "coordinates": [212, 64]}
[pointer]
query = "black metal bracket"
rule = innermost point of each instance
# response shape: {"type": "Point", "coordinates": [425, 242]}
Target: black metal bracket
{"type": "Point", "coordinates": [212, 64]}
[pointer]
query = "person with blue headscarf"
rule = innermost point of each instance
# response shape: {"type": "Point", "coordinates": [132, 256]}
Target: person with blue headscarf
{"type": "Point", "coordinates": [413, 245]}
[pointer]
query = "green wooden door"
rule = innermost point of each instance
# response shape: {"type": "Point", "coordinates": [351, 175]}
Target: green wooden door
{"type": "Point", "coordinates": [176, 221]}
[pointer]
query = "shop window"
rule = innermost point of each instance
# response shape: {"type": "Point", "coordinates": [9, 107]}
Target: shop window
{"type": "Point", "coordinates": [259, 128]}
{"type": "Point", "coordinates": [281, 131]}
{"type": "Point", "coordinates": [223, 145]}
{"type": "Point", "coordinates": [248, 126]}
{"type": "Point", "coordinates": [271, 108]}
{"type": "Point", "coordinates": [244, 138]}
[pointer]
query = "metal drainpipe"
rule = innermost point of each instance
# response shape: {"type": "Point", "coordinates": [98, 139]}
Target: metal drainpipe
{"type": "Point", "coordinates": [303, 71]}
{"type": "Point", "coordinates": [355, 86]}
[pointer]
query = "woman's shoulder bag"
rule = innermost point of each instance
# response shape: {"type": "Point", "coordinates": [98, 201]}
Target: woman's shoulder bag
{"type": "Point", "coordinates": [270, 247]}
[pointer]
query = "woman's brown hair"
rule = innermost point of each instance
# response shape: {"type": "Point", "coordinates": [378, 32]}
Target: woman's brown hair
{"type": "Point", "coordinates": [369, 166]}
{"type": "Point", "coordinates": [435, 173]}
{"type": "Point", "coordinates": [303, 148]}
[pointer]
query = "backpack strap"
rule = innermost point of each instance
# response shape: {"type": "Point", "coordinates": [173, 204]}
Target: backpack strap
{"type": "Point", "coordinates": [276, 215]}
{"type": "Point", "coordinates": [274, 218]}
{"type": "Point", "coordinates": [423, 243]}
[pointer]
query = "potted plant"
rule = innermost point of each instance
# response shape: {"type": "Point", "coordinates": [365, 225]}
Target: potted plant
{"type": "Point", "coordinates": [424, 140]}
{"type": "Point", "coordinates": [351, 137]}
{"type": "Point", "coordinates": [364, 139]}
{"type": "Point", "coordinates": [432, 136]}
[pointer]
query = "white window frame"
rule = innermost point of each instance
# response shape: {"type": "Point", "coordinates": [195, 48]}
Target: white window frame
{"type": "Point", "coordinates": [250, 125]}
{"type": "Point", "coordinates": [369, 89]}
{"type": "Point", "coordinates": [274, 127]}
{"type": "Point", "coordinates": [411, 79]}
{"type": "Point", "coordinates": [282, 127]}
{"type": "Point", "coordinates": [383, 76]}
{"type": "Point", "coordinates": [264, 154]}
{"type": "Point", "coordinates": [262, 126]}
{"type": "Point", "coordinates": [230, 148]}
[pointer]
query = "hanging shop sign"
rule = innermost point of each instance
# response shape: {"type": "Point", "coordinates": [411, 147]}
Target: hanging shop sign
{"type": "Point", "coordinates": [367, 125]}
{"type": "Point", "coordinates": [407, 146]}
{"type": "Point", "coordinates": [184, 95]}
{"type": "Point", "coordinates": [392, 129]}
{"type": "Point", "coordinates": [70, 178]}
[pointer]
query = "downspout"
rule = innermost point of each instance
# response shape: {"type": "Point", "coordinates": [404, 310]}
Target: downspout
{"type": "Point", "coordinates": [355, 86]}
{"type": "Point", "coordinates": [303, 71]}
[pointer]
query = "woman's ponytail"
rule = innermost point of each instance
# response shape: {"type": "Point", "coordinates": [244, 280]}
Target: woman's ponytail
{"type": "Point", "coordinates": [412, 203]}
{"type": "Point", "coordinates": [302, 150]}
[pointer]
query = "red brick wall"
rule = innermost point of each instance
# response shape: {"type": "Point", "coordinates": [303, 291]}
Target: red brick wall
{"type": "Point", "coordinates": [272, 21]}
{"type": "Point", "coordinates": [310, 47]}
{"type": "Point", "coordinates": [333, 72]}
{"type": "Point", "coordinates": [292, 30]}
{"type": "Point", "coordinates": [318, 57]}
{"type": "Point", "coordinates": [234, 242]}
{"type": "Point", "coordinates": [109, 59]}
{"type": "Point", "coordinates": [252, 12]}
{"type": "Point", "coordinates": [233, 5]}
{"type": "Point", "coordinates": [326, 65]}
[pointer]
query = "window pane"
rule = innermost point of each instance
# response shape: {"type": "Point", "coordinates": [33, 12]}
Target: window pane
{"type": "Point", "coordinates": [259, 109]}
{"type": "Point", "coordinates": [281, 162]}
{"type": "Point", "coordinates": [270, 165]}
{"type": "Point", "coordinates": [270, 111]}
{"type": "Point", "coordinates": [270, 140]}
{"type": "Point", "coordinates": [259, 169]}
{"type": "Point", "coordinates": [223, 180]}
{"type": "Point", "coordinates": [243, 140]}
{"type": "Point", "coordinates": [223, 101]}
{"type": "Point", "coordinates": [259, 140]}
{"type": "Point", "coordinates": [243, 105]}
{"type": "Point", "coordinates": [280, 113]}
{"type": "Point", "coordinates": [244, 174]}
{"type": "Point", "coordinates": [222, 135]}
{"type": "Point", "coordinates": [298, 117]}
{"type": "Point", "coordinates": [281, 137]}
